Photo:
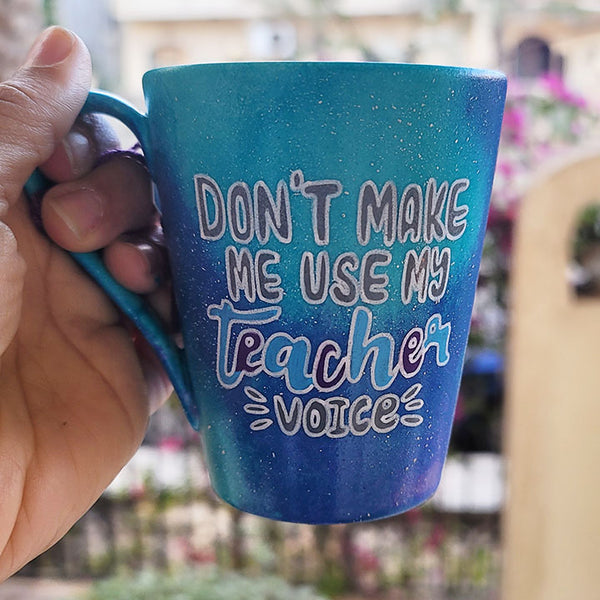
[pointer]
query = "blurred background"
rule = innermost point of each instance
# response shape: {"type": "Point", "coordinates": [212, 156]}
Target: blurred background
{"type": "Point", "coordinates": [158, 531]}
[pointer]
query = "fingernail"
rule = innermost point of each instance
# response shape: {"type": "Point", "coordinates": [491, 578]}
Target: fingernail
{"type": "Point", "coordinates": [81, 211]}
{"type": "Point", "coordinates": [52, 47]}
{"type": "Point", "coordinates": [77, 147]}
{"type": "Point", "coordinates": [150, 255]}
{"type": "Point", "coordinates": [150, 265]}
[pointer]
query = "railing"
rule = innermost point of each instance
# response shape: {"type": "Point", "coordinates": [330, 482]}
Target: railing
{"type": "Point", "coordinates": [145, 521]}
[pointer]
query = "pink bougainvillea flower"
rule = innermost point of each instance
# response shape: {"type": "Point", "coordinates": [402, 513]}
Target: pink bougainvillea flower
{"type": "Point", "coordinates": [556, 86]}
{"type": "Point", "coordinates": [171, 443]}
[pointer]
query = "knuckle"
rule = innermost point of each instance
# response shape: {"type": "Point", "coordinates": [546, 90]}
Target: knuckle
{"type": "Point", "coordinates": [15, 94]}
{"type": "Point", "coordinates": [17, 104]}
{"type": "Point", "coordinates": [27, 136]}
{"type": "Point", "coordinates": [21, 110]}
{"type": "Point", "coordinates": [12, 276]}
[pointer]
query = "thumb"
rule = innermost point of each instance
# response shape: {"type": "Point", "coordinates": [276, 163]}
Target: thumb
{"type": "Point", "coordinates": [37, 108]}
{"type": "Point", "coordinates": [39, 105]}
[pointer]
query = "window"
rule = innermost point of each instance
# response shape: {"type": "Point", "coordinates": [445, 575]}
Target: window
{"type": "Point", "coordinates": [533, 58]}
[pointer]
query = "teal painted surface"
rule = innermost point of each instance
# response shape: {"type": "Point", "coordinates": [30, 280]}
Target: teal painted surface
{"type": "Point", "coordinates": [321, 399]}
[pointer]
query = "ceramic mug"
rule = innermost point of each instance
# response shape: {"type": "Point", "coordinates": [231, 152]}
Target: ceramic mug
{"type": "Point", "coordinates": [324, 223]}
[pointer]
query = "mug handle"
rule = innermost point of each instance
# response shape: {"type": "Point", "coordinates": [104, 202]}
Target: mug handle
{"type": "Point", "coordinates": [132, 305]}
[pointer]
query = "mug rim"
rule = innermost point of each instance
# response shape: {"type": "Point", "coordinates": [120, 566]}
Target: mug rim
{"type": "Point", "coordinates": [458, 71]}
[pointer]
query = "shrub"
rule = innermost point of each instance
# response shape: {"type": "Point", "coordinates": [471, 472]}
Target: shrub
{"type": "Point", "coordinates": [200, 584]}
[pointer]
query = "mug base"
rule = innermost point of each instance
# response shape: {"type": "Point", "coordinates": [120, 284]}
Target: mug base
{"type": "Point", "coordinates": [333, 515]}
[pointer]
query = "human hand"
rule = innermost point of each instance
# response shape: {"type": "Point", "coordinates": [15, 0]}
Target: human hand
{"type": "Point", "coordinates": [76, 390]}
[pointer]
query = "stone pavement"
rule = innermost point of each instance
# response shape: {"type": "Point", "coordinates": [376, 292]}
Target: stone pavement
{"type": "Point", "coordinates": [23, 588]}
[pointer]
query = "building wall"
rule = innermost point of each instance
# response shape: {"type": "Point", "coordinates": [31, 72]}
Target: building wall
{"type": "Point", "coordinates": [481, 33]}
{"type": "Point", "coordinates": [455, 39]}
{"type": "Point", "coordinates": [572, 37]}
{"type": "Point", "coordinates": [20, 23]}
{"type": "Point", "coordinates": [91, 20]}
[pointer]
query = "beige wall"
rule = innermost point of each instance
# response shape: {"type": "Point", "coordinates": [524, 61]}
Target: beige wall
{"type": "Point", "coordinates": [451, 40]}
{"type": "Point", "coordinates": [552, 523]}
{"type": "Point", "coordinates": [582, 64]}
{"type": "Point", "coordinates": [219, 41]}
{"type": "Point", "coordinates": [223, 31]}
{"type": "Point", "coordinates": [20, 23]}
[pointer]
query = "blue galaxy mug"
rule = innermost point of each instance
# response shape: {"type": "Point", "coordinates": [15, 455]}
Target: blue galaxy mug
{"type": "Point", "coordinates": [324, 223]}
